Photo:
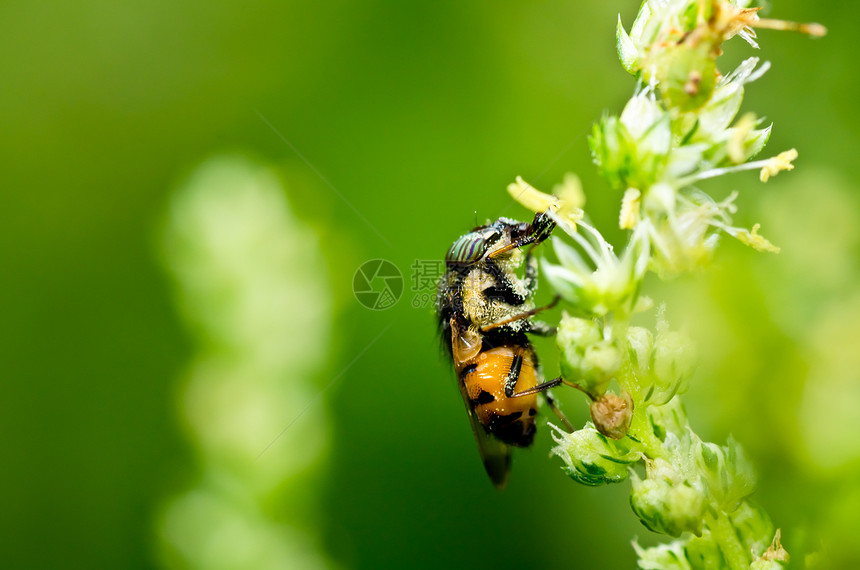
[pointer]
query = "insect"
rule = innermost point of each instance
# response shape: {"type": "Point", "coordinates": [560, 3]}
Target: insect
{"type": "Point", "coordinates": [485, 311]}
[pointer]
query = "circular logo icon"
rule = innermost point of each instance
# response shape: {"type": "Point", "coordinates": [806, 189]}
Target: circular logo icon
{"type": "Point", "coordinates": [377, 284]}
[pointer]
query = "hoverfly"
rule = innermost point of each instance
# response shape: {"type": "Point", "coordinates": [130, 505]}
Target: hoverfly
{"type": "Point", "coordinates": [485, 311]}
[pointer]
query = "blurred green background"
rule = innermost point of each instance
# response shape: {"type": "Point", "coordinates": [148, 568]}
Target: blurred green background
{"type": "Point", "coordinates": [419, 114]}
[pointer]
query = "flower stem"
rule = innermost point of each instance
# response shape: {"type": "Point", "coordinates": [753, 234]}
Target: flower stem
{"type": "Point", "coordinates": [726, 538]}
{"type": "Point", "coordinates": [642, 432]}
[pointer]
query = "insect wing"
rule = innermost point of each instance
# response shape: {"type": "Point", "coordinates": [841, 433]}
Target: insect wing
{"type": "Point", "coordinates": [495, 454]}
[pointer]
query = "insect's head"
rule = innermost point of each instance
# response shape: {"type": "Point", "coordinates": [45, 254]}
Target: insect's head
{"type": "Point", "coordinates": [472, 247]}
{"type": "Point", "coordinates": [499, 237]}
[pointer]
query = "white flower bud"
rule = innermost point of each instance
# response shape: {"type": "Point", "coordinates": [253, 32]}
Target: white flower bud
{"type": "Point", "coordinates": [602, 359]}
{"type": "Point", "coordinates": [573, 331]}
{"type": "Point", "coordinates": [671, 556]}
{"type": "Point", "coordinates": [666, 503]}
{"type": "Point", "coordinates": [641, 343]}
{"type": "Point", "coordinates": [674, 358]}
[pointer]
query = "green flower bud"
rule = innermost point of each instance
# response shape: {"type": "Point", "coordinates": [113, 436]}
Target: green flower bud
{"type": "Point", "coordinates": [596, 281]}
{"type": "Point", "coordinates": [588, 361]}
{"type": "Point", "coordinates": [686, 229]}
{"type": "Point", "coordinates": [674, 358]}
{"type": "Point", "coordinates": [659, 367]}
{"type": "Point", "coordinates": [715, 118]}
{"type": "Point", "coordinates": [637, 374]}
{"type": "Point", "coordinates": [671, 556]}
{"type": "Point", "coordinates": [703, 552]}
{"type": "Point", "coordinates": [649, 125]}
{"type": "Point", "coordinates": [599, 364]}
{"type": "Point", "coordinates": [666, 503]}
{"type": "Point", "coordinates": [670, 418]}
{"type": "Point", "coordinates": [591, 458]}
{"type": "Point", "coordinates": [628, 55]}
{"type": "Point", "coordinates": [604, 357]}
{"type": "Point", "coordinates": [613, 150]}
{"type": "Point", "coordinates": [726, 471]}
{"type": "Point", "coordinates": [753, 527]}
{"type": "Point", "coordinates": [575, 332]}
{"type": "Point", "coordinates": [641, 343]}
{"type": "Point", "coordinates": [632, 150]}
{"type": "Point", "coordinates": [687, 75]}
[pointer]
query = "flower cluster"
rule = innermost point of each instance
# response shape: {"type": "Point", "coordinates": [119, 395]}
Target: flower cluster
{"type": "Point", "coordinates": [657, 152]}
{"type": "Point", "coordinates": [680, 127]}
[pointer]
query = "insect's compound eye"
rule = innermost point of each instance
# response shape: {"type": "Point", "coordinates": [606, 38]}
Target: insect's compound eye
{"type": "Point", "coordinates": [471, 247]}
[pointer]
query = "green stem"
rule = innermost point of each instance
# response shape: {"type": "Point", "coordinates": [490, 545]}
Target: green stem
{"type": "Point", "coordinates": [641, 430]}
{"type": "Point", "coordinates": [723, 533]}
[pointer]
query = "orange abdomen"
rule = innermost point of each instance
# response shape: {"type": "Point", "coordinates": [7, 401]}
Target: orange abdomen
{"type": "Point", "coordinates": [511, 419]}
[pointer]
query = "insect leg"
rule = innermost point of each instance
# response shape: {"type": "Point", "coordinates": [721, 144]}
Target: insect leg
{"type": "Point", "coordinates": [514, 374]}
{"type": "Point", "coordinates": [550, 401]}
{"type": "Point", "coordinates": [530, 275]}
{"type": "Point", "coordinates": [539, 388]}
